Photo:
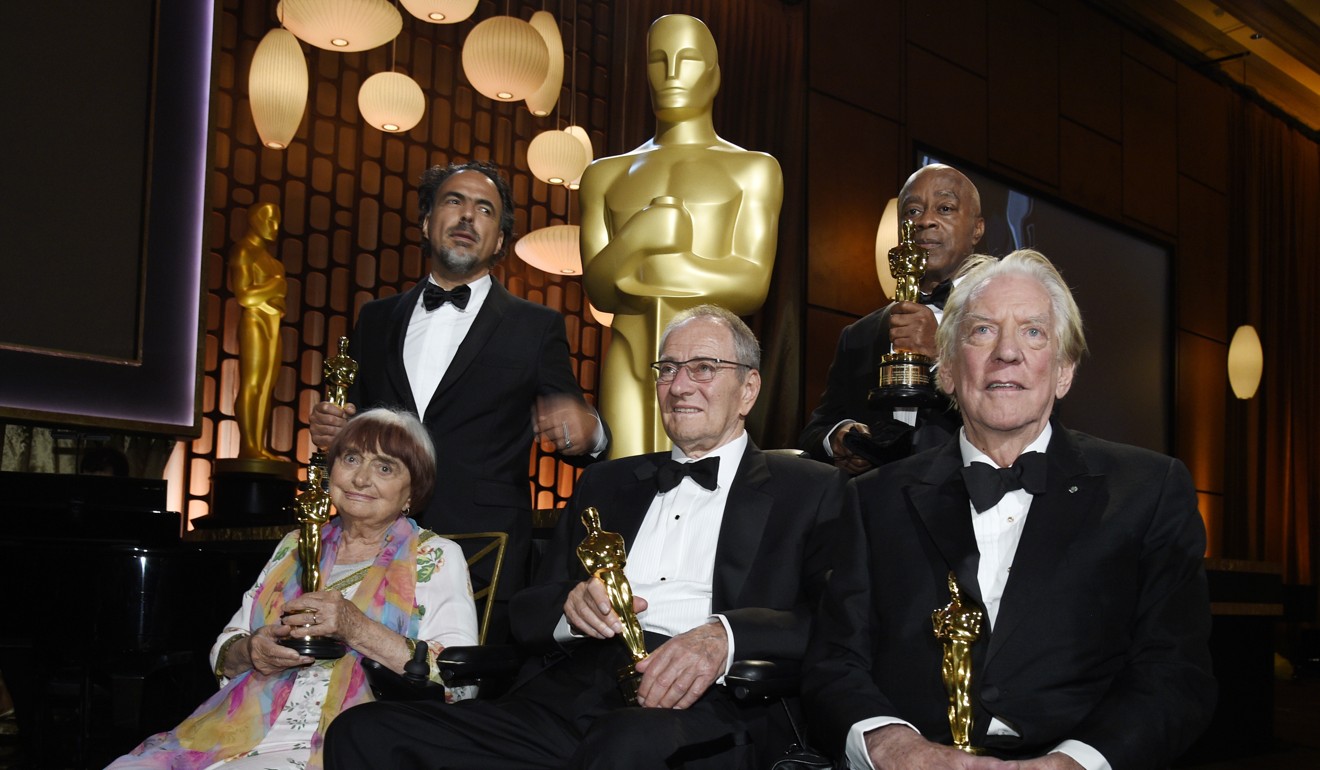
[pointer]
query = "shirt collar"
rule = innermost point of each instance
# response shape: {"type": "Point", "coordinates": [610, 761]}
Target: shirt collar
{"type": "Point", "coordinates": [730, 455]}
{"type": "Point", "coordinates": [970, 454]}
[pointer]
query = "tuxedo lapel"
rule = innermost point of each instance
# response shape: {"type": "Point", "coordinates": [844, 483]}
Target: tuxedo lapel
{"type": "Point", "coordinates": [941, 502]}
{"type": "Point", "coordinates": [746, 512]}
{"type": "Point", "coordinates": [400, 317]}
{"type": "Point", "coordinates": [483, 328]}
{"type": "Point", "coordinates": [633, 497]}
{"type": "Point", "coordinates": [1073, 495]}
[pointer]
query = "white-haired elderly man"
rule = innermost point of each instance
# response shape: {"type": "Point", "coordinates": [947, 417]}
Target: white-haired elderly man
{"type": "Point", "coordinates": [1085, 557]}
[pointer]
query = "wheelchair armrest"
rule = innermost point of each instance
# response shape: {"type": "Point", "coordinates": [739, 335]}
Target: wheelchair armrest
{"type": "Point", "coordinates": [388, 685]}
{"type": "Point", "coordinates": [468, 665]}
{"type": "Point", "coordinates": [751, 680]}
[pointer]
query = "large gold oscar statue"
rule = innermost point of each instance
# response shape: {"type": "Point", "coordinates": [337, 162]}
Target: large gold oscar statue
{"type": "Point", "coordinates": [257, 281]}
{"type": "Point", "coordinates": [604, 555]}
{"type": "Point", "coordinates": [686, 218]}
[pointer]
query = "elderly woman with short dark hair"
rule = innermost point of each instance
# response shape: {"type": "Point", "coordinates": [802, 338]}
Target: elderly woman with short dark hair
{"type": "Point", "coordinates": [389, 586]}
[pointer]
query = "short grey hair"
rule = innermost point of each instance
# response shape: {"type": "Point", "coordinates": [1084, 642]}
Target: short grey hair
{"type": "Point", "coordinates": [980, 269]}
{"type": "Point", "coordinates": [745, 345]}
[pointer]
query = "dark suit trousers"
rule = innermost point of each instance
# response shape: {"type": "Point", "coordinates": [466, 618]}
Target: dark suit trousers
{"type": "Point", "coordinates": [570, 715]}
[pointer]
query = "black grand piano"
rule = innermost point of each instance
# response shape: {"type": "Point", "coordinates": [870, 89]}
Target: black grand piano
{"type": "Point", "coordinates": [109, 613]}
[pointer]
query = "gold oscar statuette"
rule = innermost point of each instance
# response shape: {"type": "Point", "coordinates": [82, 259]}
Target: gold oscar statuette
{"type": "Point", "coordinates": [604, 555]}
{"type": "Point", "coordinates": [311, 507]}
{"type": "Point", "coordinates": [905, 377]}
{"type": "Point", "coordinates": [958, 626]}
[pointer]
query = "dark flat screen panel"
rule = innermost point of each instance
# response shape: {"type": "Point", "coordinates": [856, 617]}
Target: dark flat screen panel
{"type": "Point", "coordinates": [1124, 387]}
{"type": "Point", "coordinates": [104, 198]}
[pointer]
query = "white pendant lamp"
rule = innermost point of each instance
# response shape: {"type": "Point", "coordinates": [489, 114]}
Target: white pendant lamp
{"type": "Point", "coordinates": [441, 11]}
{"type": "Point", "coordinates": [602, 318]}
{"type": "Point", "coordinates": [580, 133]}
{"type": "Point", "coordinates": [505, 59]}
{"type": "Point", "coordinates": [553, 249]}
{"type": "Point", "coordinates": [341, 25]}
{"type": "Point", "coordinates": [556, 157]}
{"type": "Point", "coordinates": [1246, 360]}
{"type": "Point", "coordinates": [542, 101]}
{"type": "Point", "coordinates": [277, 88]}
{"type": "Point", "coordinates": [886, 238]}
{"type": "Point", "coordinates": [391, 101]}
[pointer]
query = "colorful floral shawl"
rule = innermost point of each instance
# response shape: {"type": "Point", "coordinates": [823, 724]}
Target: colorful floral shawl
{"type": "Point", "coordinates": [236, 718]}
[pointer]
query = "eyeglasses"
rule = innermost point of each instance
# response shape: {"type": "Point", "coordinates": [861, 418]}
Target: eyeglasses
{"type": "Point", "coordinates": [698, 369]}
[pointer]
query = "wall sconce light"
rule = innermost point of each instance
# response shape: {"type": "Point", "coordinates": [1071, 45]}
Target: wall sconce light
{"type": "Point", "coordinates": [277, 88]}
{"type": "Point", "coordinates": [543, 100]}
{"type": "Point", "coordinates": [1246, 361]}
{"type": "Point", "coordinates": [553, 249]}
{"type": "Point", "coordinates": [505, 59]}
{"type": "Point", "coordinates": [886, 238]}
{"type": "Point", "coordinates": [341, 25]}
{"type": "Point", "coordinates": [391, 101]}
{"type": "Point", "coordinates": [441, 11]}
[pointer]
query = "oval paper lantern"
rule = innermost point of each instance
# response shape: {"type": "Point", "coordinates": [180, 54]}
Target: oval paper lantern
{"type": "Point", "coordinates": [553, 249]}
{"type": "Point", "coordinates": [505, 59]}
{"type": "Point", "coordinates": [556, 157]}
{"type": "Point", "coordinates": [580, 133]}
{"type": "Point", "coordinates": [277, 88]}
{"type": "Point", "coordinates": [1246, 360]}
{"type": "Point", "coordinates": [341, 25]}
{"type": "Point", "coordinates": [441, 11]}
{"type": "Point", "coordinates": [886, 238]}
{"type": "Point", "coordinates": [543, 100]}
{"type": "Point", "coordinates": [391, 101]}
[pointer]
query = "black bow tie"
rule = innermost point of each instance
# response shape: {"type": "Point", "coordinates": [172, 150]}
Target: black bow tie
{"type": "Point", "coordinates": [704, 472]}
{"type": "Point", "coordinates": [433, 296]}
{"type": "Point", "coordinates": [986, 484]}
{"type": "Point", "coordinates": [937, 297]}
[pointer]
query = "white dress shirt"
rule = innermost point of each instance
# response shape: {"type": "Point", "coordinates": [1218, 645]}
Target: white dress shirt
{"type": "Point", "coordinates": [671, 563]}
{"type": "Point", "coordinates": [433, 338]}
{"type": "Point", "coordinates": [998, 531]}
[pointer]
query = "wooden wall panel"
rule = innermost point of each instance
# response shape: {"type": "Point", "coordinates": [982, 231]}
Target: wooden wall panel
{"type": "Point", "coordinates": [1201, 396]}
{"type": "Point", "coordinates": [856, 53]}
{"type": "Point", "coordinates": [1201, 269]}
{"type": "Point", "coordinates": [1150, 147]}
{"type": "Point", "coordinates": [1023, 86]}
{"type": "Point", "coordinates": [823, 329]}
{"type": "Point", "coordinates": [954, 30]}
{"type": "Point", "coordinates": [1203, 110]}
{"type": "Point", "coordinates": [1090, 69]}
{"type": "Point", "coordinates": [1090, 170]}
{"type": "Point", "coordinates": [852, 168]}
{"type": "Point", "coordinates": [946, 106]}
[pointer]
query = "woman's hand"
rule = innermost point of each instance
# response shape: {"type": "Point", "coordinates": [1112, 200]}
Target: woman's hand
{"type": "Point", "coordinates": [267, 655]}
{"type": "Point", "coordinates": [325, 613]}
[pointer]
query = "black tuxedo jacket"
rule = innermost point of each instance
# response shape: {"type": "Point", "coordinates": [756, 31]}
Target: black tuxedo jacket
{"type": "Point", "coordinates": [1102, 630]}
{"type": "Point", "coordinates": [480, 417]}
{"type": "Point", "coordinates": [853, 373]}
{"type": "Point", "coordinates": [770, 564]}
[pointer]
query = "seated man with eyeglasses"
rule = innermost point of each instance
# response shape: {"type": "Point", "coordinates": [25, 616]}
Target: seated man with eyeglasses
{"type": "Point", "coordinates": [725, 555]}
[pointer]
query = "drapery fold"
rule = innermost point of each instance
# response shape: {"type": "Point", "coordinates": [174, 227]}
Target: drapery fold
{"type": "Point", "coordinates": [1276, 194]}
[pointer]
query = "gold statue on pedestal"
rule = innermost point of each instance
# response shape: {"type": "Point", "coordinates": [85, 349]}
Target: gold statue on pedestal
{"type": "Point", "coordinates": [257, 280]}
{"type": "Point", "coordinates": [905, 377]}
{"type": "Point", "coordinates": [958, 626]}
{"type": "Point", "coordinates": [683, 220]}
{"type": "Point", "coordinates": [312, 506]}
{"type": "Point", "coordinates": [604, 554]}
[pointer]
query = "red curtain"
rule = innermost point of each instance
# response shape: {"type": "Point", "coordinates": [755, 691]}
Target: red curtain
{"type": "Point", "coordinates": [1277, 189]}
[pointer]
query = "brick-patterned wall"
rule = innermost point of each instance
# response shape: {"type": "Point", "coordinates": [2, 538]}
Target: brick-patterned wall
{"type": "Point", "coordinates": [347, 194]}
